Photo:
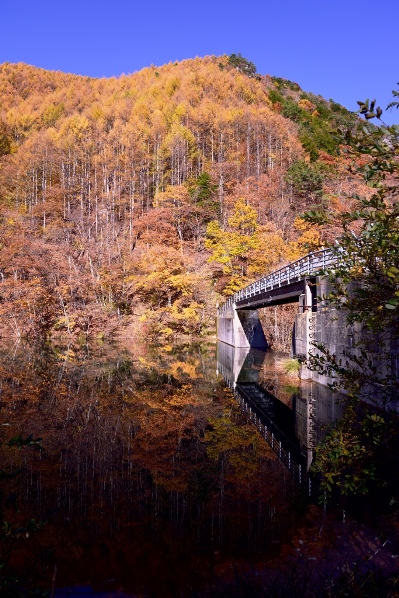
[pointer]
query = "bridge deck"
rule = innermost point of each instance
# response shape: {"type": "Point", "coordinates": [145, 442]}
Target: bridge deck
{"type": "Point", "coordinates": [281, 286]}
{"type": "Point", "coordinates": [286, 293]}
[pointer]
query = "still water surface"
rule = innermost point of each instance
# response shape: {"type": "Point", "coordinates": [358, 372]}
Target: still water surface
{"type": "Point", "coordinates": [151, 480]}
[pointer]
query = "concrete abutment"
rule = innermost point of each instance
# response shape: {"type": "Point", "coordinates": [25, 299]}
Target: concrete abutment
{"type": "Point", "coordinates": [241, 328]}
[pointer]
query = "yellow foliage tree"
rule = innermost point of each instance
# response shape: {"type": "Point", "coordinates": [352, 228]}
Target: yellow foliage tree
{"type": "Point", "coordinates": [269, 254]}
{"type": "Point", "coordinates": [230, 247]}
{"type": "Point", "coordinates": [245, 250]}
{"type": "Point", "coordinates": [310, 239]}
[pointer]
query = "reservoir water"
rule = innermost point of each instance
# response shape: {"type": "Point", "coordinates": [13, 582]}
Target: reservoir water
{"type": "Point", "coordinates": [150, 478]}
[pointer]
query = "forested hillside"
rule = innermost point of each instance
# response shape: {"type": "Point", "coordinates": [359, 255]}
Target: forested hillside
{"type": "Point", "coordinates": [135, 202]}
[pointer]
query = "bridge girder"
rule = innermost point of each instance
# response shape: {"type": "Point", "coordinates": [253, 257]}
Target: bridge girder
{"type": "Point", "coordinates": [288, 293]}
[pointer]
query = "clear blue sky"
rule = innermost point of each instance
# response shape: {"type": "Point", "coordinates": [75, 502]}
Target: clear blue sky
{"type": "Point", "coordinates": [342, 49]}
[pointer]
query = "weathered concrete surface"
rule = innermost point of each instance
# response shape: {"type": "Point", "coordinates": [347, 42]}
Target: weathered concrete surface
{"type": "Point", "coordinates": [325, 326]}
{"type": "Point", "coordinates": [241, 329]}
{"type": "Point", "coordinates": [329, 327]}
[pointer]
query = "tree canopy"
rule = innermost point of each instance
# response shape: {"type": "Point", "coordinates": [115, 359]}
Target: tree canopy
{"type": "Point", "coordinates": [97, 173]}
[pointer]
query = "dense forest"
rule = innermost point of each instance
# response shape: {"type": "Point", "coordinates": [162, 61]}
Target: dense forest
{"type": "Point", "coordinates": [131, 205]}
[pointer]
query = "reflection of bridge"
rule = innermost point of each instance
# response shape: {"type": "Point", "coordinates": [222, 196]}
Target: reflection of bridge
{"type": "Point", "coordinates": [276, 422]}
{"type": "Point", "coordinates": [291, 433]}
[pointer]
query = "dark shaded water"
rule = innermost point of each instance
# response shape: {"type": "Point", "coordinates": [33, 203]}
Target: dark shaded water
{"type": "Point", "coordinates": [150, 480]}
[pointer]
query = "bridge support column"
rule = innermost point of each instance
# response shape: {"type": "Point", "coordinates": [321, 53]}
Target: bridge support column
{"type": "Point", "coordinates": [240, 328]}
{"type": "Point", "coordinates": [304, 330]}
{"type": "Point", "coordinates": [302, 340]}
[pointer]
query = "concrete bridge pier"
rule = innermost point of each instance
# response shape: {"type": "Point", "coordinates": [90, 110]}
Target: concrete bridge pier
{"type": "Point", "coordinates": [240, 328]}
{"type": "Point", "coordinates": [304, 329]}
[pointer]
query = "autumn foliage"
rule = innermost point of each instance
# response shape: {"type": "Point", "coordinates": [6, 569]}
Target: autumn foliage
{"type": "Point", "coordinates": [134, 201]}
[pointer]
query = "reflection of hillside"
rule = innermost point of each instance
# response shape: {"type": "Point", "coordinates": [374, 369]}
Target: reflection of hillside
{"type": "Point", "coordinates": [147, 463]}
{"type": "Point", "coordinates": [275, 379]}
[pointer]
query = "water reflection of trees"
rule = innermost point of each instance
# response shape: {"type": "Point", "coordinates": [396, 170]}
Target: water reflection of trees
{"type": "Point", "coordinates": [147, 463]}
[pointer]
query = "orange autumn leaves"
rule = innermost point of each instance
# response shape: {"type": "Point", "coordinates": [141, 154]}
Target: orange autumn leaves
{"type": "Point", "coordinates": [130, 184]}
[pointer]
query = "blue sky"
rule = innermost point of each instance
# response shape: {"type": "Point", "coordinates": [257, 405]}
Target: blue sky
{"type": "Point", "coordinates": [343, 50]}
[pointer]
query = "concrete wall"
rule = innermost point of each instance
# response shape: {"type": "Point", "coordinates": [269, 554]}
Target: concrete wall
{"type": "Point", "coordinates": [329, 327]}
{"type": "Point", "coordinates": [325, 326]}
{"type": "Point", "coordinates": [241, 328]}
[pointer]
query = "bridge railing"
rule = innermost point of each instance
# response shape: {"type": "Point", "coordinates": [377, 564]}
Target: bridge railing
{"type": "Point", "coordinates": [289, 455]}
{"type": "Point", "coordinates": [305, 266]}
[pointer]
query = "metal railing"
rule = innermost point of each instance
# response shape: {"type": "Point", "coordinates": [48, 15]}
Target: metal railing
{"type": "Point", "coordinates": [292, 459]}
{"type": "Point", "coordinates": [290, 455]}
{"type": "Point", "coordinates": [305, 266]}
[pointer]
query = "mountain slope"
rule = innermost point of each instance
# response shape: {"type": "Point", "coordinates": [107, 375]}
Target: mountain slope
{"type": "Point", "coordinates": [109, 186]}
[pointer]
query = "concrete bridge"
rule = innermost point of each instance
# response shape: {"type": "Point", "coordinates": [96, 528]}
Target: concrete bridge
{"type": "Point", "coordinates": [292, 433]}
{"type": "Point", "coordinates": [238, 322]}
